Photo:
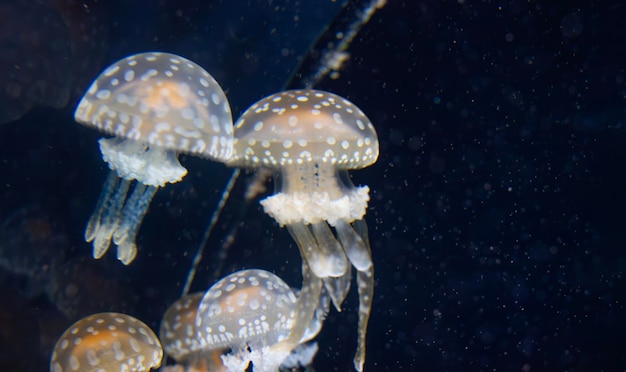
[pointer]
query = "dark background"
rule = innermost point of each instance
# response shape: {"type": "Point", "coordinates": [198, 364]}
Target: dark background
{"type": "Point", "coordinates": [497, 205]}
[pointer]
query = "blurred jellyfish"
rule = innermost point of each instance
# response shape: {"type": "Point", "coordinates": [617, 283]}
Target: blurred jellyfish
{"type": "Point", "coordinates": [312, 138]}
{"type": "Point", "coordinates": [107, 342]}
{"type": "Point", "coordinates": [34, 50]}
{"type": "Point", "coordinates": [156, 105]}
{"type": "Point", "coordinates": [32, 247]}
{"type": "Point", "coordinates": [82, 286]}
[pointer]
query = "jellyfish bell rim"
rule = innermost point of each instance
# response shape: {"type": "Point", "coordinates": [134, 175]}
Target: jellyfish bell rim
{"type": "Point", "coordinates": [204, 130]}
{"type": "Point", "coordinates": [271, 134]}
{"type": "Point", "coordinates": [225, 291]}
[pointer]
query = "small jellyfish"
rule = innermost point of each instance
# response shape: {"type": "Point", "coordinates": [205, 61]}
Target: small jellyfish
{"type": "Point", "coordinates": [312, 138]}
{"type": "Point", "coordinates": [248, 311]}
{"type": "Point", "coordinates": [156, 105]}
{"type": "Point", "coordinates": [107, 342]}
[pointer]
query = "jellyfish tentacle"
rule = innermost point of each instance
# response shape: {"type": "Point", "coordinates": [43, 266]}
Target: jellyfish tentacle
{"type": "Point", "coordinates": [308, 248]}
{"type": "Point", "coordinates": [319, 316]}
{"type": "Point", "coordinates": [338, 288]}
{"type": "Point", "coordinates": [365, 282]}
{"type": "Point", "coordinates": [352, 242]}
{"type": "Point", "coordinates": [132, 214]}
{"type": "Point", "coordinates": [306, 306]}
{"type": "Point", "coordinates": [330, 249]}
{"type": "Point", "coordinates": [110, 218]}
{"type": "Point", "coordinates": [104, 199]}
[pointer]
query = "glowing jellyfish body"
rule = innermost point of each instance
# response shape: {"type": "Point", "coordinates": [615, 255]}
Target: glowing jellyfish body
{"type": "Point", "coordinates": [156, 105]}
{"type": "Point", "coordinates": [248, 312]}
{"type": "Point", "coordinates": [107, 342]}
{"type": "Point", "coordinates": [312, 138]}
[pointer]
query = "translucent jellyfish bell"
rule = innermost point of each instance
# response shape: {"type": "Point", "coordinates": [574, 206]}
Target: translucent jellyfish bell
{"type": "Point", "coordinates": [107, 342]}
{"type": "Point", "coordinates": [156, 105]}
{"type": "Point", "coordinates": [248, 312]}
{"type": "Point", "coordinates": [312, 138]}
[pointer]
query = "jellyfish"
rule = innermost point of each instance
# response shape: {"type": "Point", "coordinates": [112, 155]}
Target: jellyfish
{"type": "Point", "coordinates": [156, 105]}
{"type": "Point", "coordinates": [248, 312]}
{"type": "Point", "coordinates": [183, 342]}
{"type": "Point", "coordinates": [311, 138]}
{"type": "Point", "coordinates": [107, 342]}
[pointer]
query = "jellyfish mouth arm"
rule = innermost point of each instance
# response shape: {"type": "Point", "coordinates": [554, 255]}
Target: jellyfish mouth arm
{"type": "Point", "coordinates": [338, 288]}
{"type": "Point", "coordinates": [354, 245]}
{"type": "Point", "coordinates": [316, 324]}
{"type": "Point", "coordinates": [365, 282]}
{"type": "Point", "coordinates": [238, 360]}
{"type": "Point", "coordinates": [306, 306]}
{"type": "Point", "coordinates": [132, 214]}
{"type": "Point", "coordinates": [104, 201]}
{"type": "Point", "coordinates": [267, 360]}
{"type": "Point", "coordinates": [117, 218]}
{"type": "Point", "coordinates": [104, 221]}
{"type": "Point", "coordinates": [320, 249]}
{"type": "Point", "coordinates": [301, 356]}
{"type": "Point", "coordinates": [307, 217]}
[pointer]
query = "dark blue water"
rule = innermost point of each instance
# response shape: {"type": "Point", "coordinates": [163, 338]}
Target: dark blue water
{"type": "Point", "coordinates": [497, 219]}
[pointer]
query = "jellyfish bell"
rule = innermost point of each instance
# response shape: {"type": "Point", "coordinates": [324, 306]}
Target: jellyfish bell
{"type": "Point", "coordinates": [107, 342]}
{"type": "Point", "coordinates": [156, 105]}
{"type": "Point", "coordinates": [247, 312]}
{"type": "Point", "coordinates": [311, 138]}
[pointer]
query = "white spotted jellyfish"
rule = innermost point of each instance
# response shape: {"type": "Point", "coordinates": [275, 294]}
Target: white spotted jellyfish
{"type": "Point", "coordinates": [247, 294]}
{"type": "Point", "coordinates": [107, 342]}
{"type": "Point", "coordinates": [311, 138]}
{"type": "Point", "coordinates": [248, 312]}
{"type": "Point", "coordinates": [156, 105]}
